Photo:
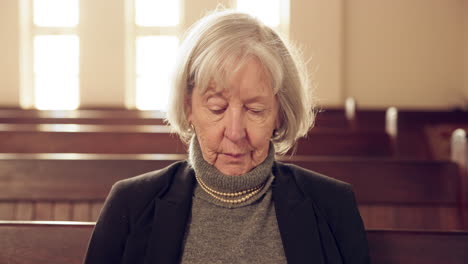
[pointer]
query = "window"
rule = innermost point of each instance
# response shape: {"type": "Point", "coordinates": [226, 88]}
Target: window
{"type": "Point", "coordinates": [152, 47]}
{"type": "Point", "coordinates": [50, 54]}
{"type": "Point", "coordinates": [275, 16]}
{"type": "Point", "coordinates": [55, 33]}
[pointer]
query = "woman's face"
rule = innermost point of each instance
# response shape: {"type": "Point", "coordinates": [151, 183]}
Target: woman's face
{"type": "Point", "coordinates": [234, 126]}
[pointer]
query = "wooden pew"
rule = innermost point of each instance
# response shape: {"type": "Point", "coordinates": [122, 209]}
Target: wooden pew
{"type": "Point", "coordinates": [417, 247]}
{"type": "Point", "coordinates": [399, 193]}
{"type": "Point", "coordinates": [138, 139]}
{"type": "Point", "coordinates": [327, 118]}
{"type": "Point", "coordinates": [416, 129]}
{"type": "Point", "coordinates": [342, 118]}
{"type": "Point", "coordinates": [103, 116]}
{"type": "Point", "coordinates": [70, 138]}
{"type": "Point", "coordinates": [330, 119]}
{"type": "Point", "coordinates": [66, 186]}
{"type": "Point", "coordinates": [459, 155]}
{"type": "Point", "coordinates": [46, 242]}
{"type": "Point", "coordinates": [58, 243]}
{"type": "Point", "coordinates": [391, 193]}
{"type": "Point", "coordinates": [327, 121]}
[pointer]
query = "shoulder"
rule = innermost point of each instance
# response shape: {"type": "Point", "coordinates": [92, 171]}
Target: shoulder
{"type": "Point", "coordinates": [327, 193]}
{"type": "Point", "coordinates": [153, 181]}
{"type": "Point", "coordinates": [313, 183]}
{"type": "Point", "coordinates": [334, 202]}
{"type": "Point", "coordinates": [136, 192]}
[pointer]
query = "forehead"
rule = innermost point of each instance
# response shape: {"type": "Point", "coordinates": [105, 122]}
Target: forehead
{"type": "Point", "coordinates": [247, 80]}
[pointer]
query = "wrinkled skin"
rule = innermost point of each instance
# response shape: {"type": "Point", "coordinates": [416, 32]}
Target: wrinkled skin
{"type": "Point", "coordinates": [234, 126]}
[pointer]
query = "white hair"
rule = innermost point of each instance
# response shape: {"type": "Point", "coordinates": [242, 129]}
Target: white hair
{"type": "Point", "coordinates": [217, 46]}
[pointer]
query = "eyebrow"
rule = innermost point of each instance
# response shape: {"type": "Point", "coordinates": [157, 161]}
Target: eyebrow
{"type": "Point", "coordinates": [257, 98]}
{"type": "Point", "coordinates": [211, 91]}
{"type": "Point", "coordinates": [212, 87]}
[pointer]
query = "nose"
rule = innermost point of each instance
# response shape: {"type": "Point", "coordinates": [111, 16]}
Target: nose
{"type": "Point", "coordinates": [235, 129]}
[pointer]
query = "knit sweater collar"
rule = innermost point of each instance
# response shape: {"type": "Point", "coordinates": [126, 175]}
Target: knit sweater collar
{"type": "Point", "coordinates": [218, 181]}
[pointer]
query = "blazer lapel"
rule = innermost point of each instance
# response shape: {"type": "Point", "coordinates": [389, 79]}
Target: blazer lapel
{"type": "Point", "coordinates": [296, 221]}
{"type": "Point", "coordinates": [170, 219]}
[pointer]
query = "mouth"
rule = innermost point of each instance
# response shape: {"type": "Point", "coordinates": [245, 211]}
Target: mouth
{"type": "Point", "coordinates": [234, 155]}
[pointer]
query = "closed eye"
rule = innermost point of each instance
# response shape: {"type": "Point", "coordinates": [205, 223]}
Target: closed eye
{"type": "Point", "coordinates": [256, 110]}
{"type": "Point", "coordinates": [217, 110]}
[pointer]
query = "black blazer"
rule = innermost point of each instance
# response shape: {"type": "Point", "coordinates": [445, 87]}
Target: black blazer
{"type": "Point", "coordinates": [144, 218]}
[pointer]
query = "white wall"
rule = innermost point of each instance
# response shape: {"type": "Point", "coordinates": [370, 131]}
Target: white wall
{"type": "Point", "coordinates": [317, 27]}
{"type": "Point", "coordinates": [103, 53]}
{"type": "Point", "coordinates": [404, 52]}
{"type": "Point", "coordinates": [465, 45]}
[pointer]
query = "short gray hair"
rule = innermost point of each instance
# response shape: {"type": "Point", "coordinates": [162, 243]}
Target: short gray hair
{"type": "Point", "coordinates": [223, 39]}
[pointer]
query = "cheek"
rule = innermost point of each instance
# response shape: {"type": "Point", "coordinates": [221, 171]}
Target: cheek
{"type": "Point", "coordinates": [261, 129]}
{"type": "Point", "coordinates": [260, 136]}
{"type": "Point", "coordinates": [209, 139]}
{"type": "Point", "coordinates": [209, 135]}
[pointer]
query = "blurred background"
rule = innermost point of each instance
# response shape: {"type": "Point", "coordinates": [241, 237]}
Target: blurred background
{"type": "Point", "coordinates": [68, 54]}
{"type": "Point", "coordinates": [390, 75]}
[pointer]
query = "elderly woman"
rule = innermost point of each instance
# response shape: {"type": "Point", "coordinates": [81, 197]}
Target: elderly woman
{"type": "Point", "coordinates": [240, 97]}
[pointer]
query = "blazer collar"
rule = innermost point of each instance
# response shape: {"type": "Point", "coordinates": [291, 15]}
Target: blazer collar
{"type": "Point", "coordinates": [171, 215]}
{"type": "Point", "coordinates": [297, 220]}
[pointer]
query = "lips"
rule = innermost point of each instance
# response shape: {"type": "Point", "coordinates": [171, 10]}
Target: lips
{"type": "Point", "coordinates": [234, 155]}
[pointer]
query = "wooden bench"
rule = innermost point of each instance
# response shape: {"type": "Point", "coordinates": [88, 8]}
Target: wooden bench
{"type": "Point", "coordinates": [58, 243]}
{"type": "Point", "coordinates": [417, 247]}
{"type": "Point", "coordinates": [88, 139]}
{"type": "Point", "coordinates": [391, 193]}
{"type": "Point", "coordinates": [103, 116]}
{"type": "Point", "coordinates": [46, 242]}
{"type": "Point", "coordinates": [459, 155]}
{"type": "Point", "coordinates": [331, 119]}
{"type": "Point", "coordinates": [138, 139]}
{"type": "Point", "coordinates": [415, 129]}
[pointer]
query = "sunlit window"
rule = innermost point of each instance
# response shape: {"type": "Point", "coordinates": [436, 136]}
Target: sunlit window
{"type": "Point", "coordinates": [267, 11]}
{"type": "Point", "coordinates": [56, 55]}
{"type": "Point", "coordinates": [156, 27]}
{"type": "Point", "coordinates": [59, 93]}
{"type": "Point", "coordinates": [157, 13]}
{"type": "Point", "coordinates": [50, 50]}
{"type": "Point", "coordinates": [56, 71]}
{"type": "Point", "coordinates": [56, 13]}
{"type": "Point", "coordinates": [154, 61]}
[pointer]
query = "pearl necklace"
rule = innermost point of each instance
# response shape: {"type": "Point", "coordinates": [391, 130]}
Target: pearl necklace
{"type": "Point", "coordinates": [249, 193]}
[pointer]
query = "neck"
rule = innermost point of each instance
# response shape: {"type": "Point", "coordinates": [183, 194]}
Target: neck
{"type": "Point", "coordinates": [220, 182]}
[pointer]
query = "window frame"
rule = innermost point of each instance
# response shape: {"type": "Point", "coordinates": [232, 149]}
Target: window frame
{"type": "Point", "coordinates": [132, 33]}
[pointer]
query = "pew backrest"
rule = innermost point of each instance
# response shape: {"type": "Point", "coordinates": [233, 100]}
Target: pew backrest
{"type": "Point", "coordinates": [459, 155]}
{"type": "Point", "coordinates": [46, 242]}
{"type": "Point", "coordinates": [137, 139]}
{"type": "Point", "coordinates": [66, 242]}
{"type": "Point", "coordinates": [390, 193]}
{"type": "Point", "coordinates": [75, 176]}
{"type": "Point", "coordinates": [418, 247]}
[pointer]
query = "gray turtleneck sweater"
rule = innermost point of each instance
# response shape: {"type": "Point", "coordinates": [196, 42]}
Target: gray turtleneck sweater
{"type": "Point", "coordinates": [219, 232]}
